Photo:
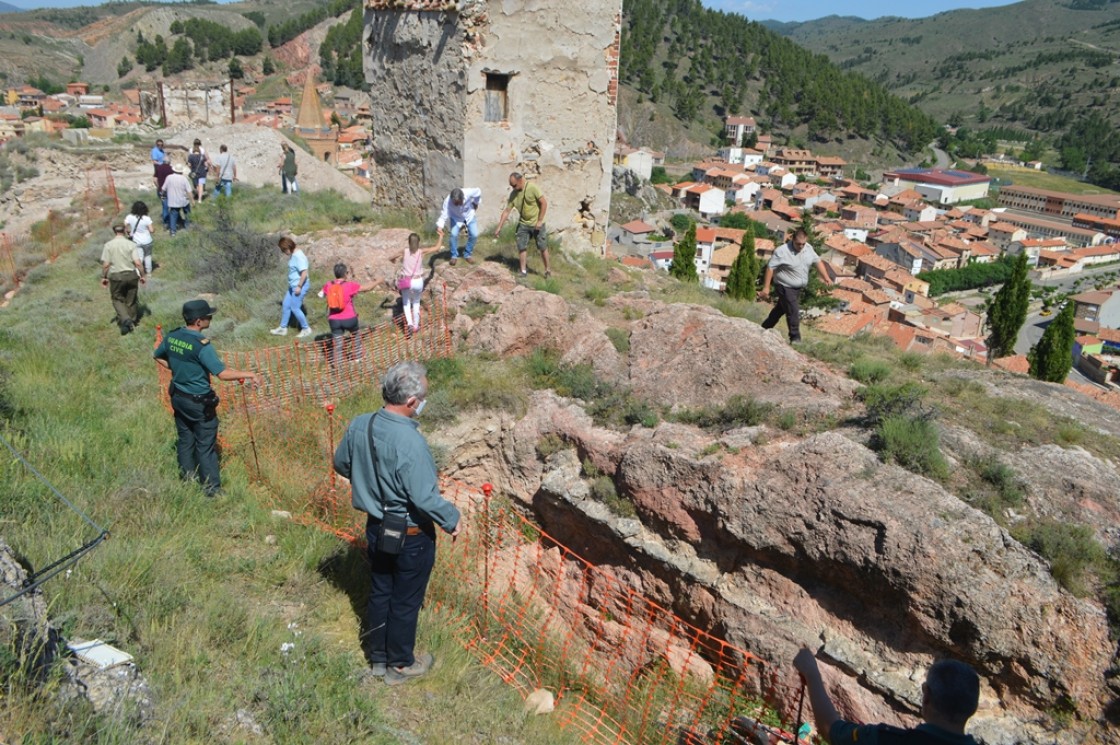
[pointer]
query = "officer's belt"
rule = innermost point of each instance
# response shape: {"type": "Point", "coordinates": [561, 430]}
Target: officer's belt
{"type": "Point", "coordinates": [193, 396]}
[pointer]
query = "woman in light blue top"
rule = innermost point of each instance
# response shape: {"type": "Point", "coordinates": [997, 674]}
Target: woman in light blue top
{"type": "Point", "coordinates": [298, 284]}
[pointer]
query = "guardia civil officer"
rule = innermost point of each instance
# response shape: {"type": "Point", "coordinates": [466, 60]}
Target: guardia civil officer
{"type": "Point", "coordinates": [192, 360]}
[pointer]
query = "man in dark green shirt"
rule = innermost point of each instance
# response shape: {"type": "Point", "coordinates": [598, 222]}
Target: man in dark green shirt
{"type": "Point", "coordinates": [392, 473]}
{"type": "Point", "coordinates": [950, 696]}
{"type": "Point", "coordinates": [192, 360]}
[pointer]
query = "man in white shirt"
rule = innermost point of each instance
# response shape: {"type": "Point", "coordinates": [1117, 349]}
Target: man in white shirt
{"type": "Point", "coordinates": [177, 187]}
{"type": "Point", "coordinates": [788, 269]}
{"type": "Point", "coordinates": [226, 167]}
{"type": "Point", "coordinates": [459, 208]}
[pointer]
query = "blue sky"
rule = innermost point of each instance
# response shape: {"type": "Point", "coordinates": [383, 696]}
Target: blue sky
{"type": "Point", "coordinates": [807, 10]}
{"type": "Point", "coordinates": [756, 10]}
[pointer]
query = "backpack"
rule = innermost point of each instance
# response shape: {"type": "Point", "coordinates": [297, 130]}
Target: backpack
{"type": "Point", "coordinates": [336, 298]}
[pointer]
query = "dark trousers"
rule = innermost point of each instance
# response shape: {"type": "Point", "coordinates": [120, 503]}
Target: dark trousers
{"type": "Point", "coordinates": [397, 588]}
{"type": "Point", "coordinates": [123, 287]}
{"type": "Point", "coordinates": [787, 303]}
{"type": "Point", "coordinates": [338, 328]}
{"type": "Point", "coordinates": [197, 446]}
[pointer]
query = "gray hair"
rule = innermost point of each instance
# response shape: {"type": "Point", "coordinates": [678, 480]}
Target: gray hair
{"type": "Point", "coordinates": [403, 381]}
{"type": "Point", "coordinates": [457, 196]}
{"type": "Point", "coordinates": [953, 689]}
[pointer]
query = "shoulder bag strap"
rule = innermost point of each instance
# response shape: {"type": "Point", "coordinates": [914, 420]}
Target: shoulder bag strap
{"type": "Point", "coordinates": [373, 458]}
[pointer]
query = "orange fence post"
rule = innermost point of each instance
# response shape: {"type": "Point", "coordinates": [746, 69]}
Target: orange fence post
{"type": "Point", "coordinates": [487, 490]}
{"type": "Point", "coordinates": [112, 186]}
{"type": "Point", "coordinates": [249, 426]}
{"type": "Point", "coordinates": [11, 258]}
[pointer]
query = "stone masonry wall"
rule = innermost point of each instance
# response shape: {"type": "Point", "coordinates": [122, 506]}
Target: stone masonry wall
{"type": "Point", "coordinates": [429, 72]}
{"type": "Point", "coordinates": [414, 63]}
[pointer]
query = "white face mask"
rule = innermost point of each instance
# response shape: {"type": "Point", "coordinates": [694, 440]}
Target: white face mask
{"type": "Point", "coordinates": [420, 406]}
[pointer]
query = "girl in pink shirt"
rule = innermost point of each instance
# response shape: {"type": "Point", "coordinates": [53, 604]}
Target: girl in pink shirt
{"type": "Point", "coordinates": [411, 280]}
{"type": "Point", "coordinates": [344, 319]}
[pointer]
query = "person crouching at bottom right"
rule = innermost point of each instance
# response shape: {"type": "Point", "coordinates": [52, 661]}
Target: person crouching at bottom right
{"type": "Point", "coordinates": [950, 696]}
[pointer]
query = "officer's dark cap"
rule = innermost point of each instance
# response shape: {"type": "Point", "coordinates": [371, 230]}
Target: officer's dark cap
{"type": "Point", "coordinates": [195, 309]}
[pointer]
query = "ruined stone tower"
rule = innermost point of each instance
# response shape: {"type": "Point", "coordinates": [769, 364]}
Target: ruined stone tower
{"type": "Point", "coordinates": [466, 92]}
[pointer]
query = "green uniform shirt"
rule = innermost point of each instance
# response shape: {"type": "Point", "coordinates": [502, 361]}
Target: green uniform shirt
{"type": "Point", "coordinates": [527, 202]}
{"type": "Point", "coordinates": [192, 360]}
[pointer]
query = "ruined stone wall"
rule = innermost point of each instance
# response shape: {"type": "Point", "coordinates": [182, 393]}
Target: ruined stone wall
{"type": "Point", "coordinates": [414, 64]}
{"type": "Point", "coordinates": [429, 72]}
{"type": "Point", "coordinates": [187, 104]}
{"type": "Point", "coordinates": [562, 116]}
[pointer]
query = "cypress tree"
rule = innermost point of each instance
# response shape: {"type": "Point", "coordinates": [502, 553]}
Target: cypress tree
{"type": "Point", "coordinates": [1052, 358]}
{"type": "Point", "coordinates": [684, 257]}
{"type": "Point", "coordinates": [742, 281]}
{"type": "Point", "coordinates": [1008, 311]}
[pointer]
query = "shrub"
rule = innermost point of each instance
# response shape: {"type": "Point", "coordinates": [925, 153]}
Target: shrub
{"type": "Point", "coordinates": [476, 309]}
{"type": "Point", "coordinates": [230, 253]}
{"type": "Point", "coordinates": [1003, 478]}
{"type": "Point", "coordinates": [620, 338]}
{"type": "Point", "coordinates": [603, 490]}
{"type": "Point", "coordinates": [1071, 550]}
{"type": "Point", "coordinates": [912, 361]}
{"type": "Point", "coordinates": [869, 371]}
{"type": "Point", "coordinates": [597, 294]}
{"type": "Point", "coordinates": [551, 444]}
{"type": "Point", "coordinates": [739, 411]}
{"type": "Point", "coordinates": [885, 401]}
{"type": "Point", "coordinates": [913, 443]}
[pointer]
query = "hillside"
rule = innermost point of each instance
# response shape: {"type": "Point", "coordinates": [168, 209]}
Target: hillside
{"type": "Point", "coordinates": [1045, 67]}
{"type": "Point", "coordinates": [655, 429]}
{"type": "Point", "coordinates": [94, 43]}
{"type": "Point", "coordinates": [702, 64]}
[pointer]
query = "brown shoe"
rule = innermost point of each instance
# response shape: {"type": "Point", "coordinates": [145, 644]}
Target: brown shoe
{"type": "Point", "coordinates": [468, 259]}
{"type": "Point", "coordinates": [453, 261]}
{"type": "Point", "coordinates": [394, 676]}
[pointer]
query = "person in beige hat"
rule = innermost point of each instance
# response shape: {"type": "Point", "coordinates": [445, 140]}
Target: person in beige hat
{"type": "Point", "coordinates": [178, 189]}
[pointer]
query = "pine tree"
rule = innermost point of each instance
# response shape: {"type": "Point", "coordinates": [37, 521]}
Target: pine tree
{"type": "Point", "coordinates": [1052, 358]}
{"type": "Point", "coordinates": [684, 257]}
{"type": "Point", "coordinates": [267, 67]}
{"type": "Point", "coordinates": [742, 281]}
{"type": "Point", "coordinates": [1008, 311]}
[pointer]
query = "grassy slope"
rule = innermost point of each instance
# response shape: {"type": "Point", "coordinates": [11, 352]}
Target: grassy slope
{"type": "Point", "coordinates": [195, 590]}
{"type": "Point", "coordinates": [191, 586]}
{"type": "Point", "coordinates": [903, 54]}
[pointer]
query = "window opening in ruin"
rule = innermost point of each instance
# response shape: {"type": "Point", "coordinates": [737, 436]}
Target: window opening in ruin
{"type": "Point", "coordinates": [497, 97]}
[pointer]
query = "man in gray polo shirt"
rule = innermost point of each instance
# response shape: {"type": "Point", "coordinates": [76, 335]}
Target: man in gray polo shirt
{"type": "Point", "coordinates": [392, 475]}
{"type": "Point", "coordinates": [789, 271]}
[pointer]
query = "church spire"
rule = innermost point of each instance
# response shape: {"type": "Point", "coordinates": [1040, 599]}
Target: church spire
{"type": "Point", "coordinates": [310, 108]}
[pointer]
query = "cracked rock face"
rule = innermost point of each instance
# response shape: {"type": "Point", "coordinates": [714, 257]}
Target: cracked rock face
{"type": "Point", "coordinates": [774, 541]}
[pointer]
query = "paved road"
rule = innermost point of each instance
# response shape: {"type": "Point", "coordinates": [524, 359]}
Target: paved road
{"type": "Point", "coordinates": [1032, 332]}
{"type": "Point", "coordinates": [940, 156]}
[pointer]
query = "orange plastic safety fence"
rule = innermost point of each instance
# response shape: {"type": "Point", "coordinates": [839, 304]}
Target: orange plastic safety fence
{"type": "Point", "coordinates": [100, 202]}
{"type": "Point", "coordinates": [623, 668]}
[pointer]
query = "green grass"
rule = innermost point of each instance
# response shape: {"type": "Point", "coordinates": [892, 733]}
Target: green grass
{"type": "Point", "coordinates": [203, 593]}
{"type": "Point", "coordinates": [1043, 180]}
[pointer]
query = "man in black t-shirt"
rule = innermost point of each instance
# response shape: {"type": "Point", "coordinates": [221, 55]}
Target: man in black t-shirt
{"type": "Point", "coordinates": [950, 695]}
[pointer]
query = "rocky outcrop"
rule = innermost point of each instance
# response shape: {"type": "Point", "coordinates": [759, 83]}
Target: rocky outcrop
{"type": "Point", "coordinates": [774, 542]}
{"type": "Point", "coordinates": [693, 356]}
